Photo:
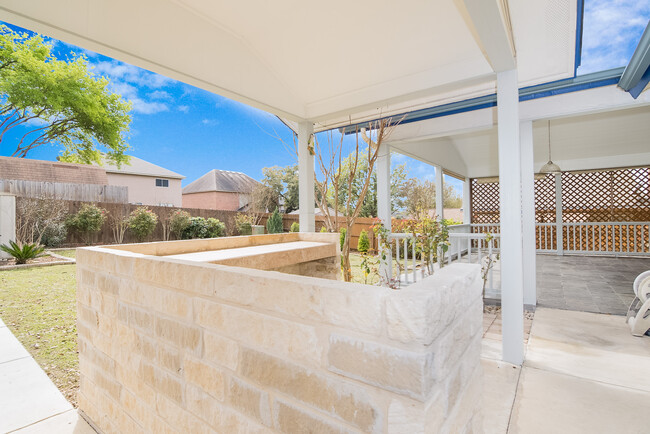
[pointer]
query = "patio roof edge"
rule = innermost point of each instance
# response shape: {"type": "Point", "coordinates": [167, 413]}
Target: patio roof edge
{"type": "Point", "coordinates": [575, 84]}
{"type": "Point", "coordinates": [637, 72]}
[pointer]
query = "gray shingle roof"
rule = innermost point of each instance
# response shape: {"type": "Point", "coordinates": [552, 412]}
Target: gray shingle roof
{"type": "Point", "coordinates": [222, 180]}
{"type": "Point", "coordinates": [138, 166]}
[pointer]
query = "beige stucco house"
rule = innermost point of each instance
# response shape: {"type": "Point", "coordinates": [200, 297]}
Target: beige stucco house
{"type": "Point", "coordinates": [148, 183]}
{"type": "Point", "coordinates": [220, 189]}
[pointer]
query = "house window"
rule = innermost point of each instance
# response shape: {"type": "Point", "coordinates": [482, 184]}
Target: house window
{"type": "Point", "coordinates": [162, 182]}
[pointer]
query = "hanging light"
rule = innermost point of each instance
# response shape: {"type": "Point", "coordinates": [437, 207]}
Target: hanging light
{"type": "Point", "coordinates": [550, 167]}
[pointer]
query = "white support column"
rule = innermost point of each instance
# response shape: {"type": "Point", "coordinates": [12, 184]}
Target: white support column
{"type": "Point", "coordinates": [384, 212]}
{"type": "Point", "coordinates": [512, 309]}
{"type": "Point", "coordinates": [467, 201]}
{"type": "Point", "coordinates": [439, 188]}
{"type": "Point", "coordinates": [528, 213]}
{"type": "Point", "coordinates": [558, 214]}
{"type": "Point", "coordinates": [7, 221]}
{"type": "Point", "coordinates": [306, 200]}
{"type": "Point", "coordinates": [383, 185]}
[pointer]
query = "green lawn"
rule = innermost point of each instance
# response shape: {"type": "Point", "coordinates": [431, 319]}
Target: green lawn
{"type": "Point", "coordinates": [39, 306]}
{"type": "Point", "coordinates": [71, 253]}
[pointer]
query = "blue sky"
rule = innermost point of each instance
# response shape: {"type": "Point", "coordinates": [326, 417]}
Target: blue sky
{"type": "Point", "coordinates": [191, 131]}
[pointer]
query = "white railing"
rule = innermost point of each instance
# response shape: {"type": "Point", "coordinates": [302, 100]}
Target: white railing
{"type": "Point", "coordinates": [590, 238]}
{"type": "Point", "coordinates": [408, 269]}
{"type": "Point", "coordinates": [475, 248]}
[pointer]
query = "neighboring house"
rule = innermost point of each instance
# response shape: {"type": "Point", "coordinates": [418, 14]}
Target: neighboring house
{"type": "Point", "coordinates": [220, 189]}
{"type": "Point", "coordinates": [52, 179]}
{"type": "Point", "coordinates": [148, 184]}
{"type": "Point", "coordinates": [50, 171]}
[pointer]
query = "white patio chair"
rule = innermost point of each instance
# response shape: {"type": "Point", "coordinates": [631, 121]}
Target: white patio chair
{"type": "Point", "coordinates": [638, 314]}
{"type": "Point", "coordinates": [642, 286]}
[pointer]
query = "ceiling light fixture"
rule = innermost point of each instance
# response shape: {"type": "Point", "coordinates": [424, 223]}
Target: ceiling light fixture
{"type": "Point", "coordinates": [550, 167]}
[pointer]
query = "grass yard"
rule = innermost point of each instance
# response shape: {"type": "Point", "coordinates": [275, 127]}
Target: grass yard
{"type": "Point", "coordinates": [68, 253]}
{"type": "Point", "coordinates": [39, 306]}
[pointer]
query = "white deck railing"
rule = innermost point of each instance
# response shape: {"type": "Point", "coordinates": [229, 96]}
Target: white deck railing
{"type": "Point", "coordinates": [599, 238]}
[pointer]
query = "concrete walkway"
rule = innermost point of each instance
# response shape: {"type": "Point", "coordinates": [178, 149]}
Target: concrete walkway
{"type": "Point", "coordinates": [583, 373]}
{"type": "Point", "coordinates": [29, 401]}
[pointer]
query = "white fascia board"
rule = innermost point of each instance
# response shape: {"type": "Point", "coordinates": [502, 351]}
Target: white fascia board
{"type": "Point", "coordinates": [489, 23]}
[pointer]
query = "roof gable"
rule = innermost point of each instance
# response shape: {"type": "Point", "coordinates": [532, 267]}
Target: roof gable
{"type": "Point", "coordinates": [222, 180]}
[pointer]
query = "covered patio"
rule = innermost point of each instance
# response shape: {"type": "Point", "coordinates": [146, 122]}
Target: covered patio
{"type": "Point", "coordinates": [486, 105]}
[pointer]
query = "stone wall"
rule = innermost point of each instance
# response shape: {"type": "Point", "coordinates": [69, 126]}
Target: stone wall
{"type": "Point", "coordinates": [170, 346]}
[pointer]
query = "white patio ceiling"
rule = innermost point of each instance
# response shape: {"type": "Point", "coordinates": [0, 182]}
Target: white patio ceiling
{"type": "Point", "coordinates": [331, 63]}
{"type": "Point", "coordinates": [599, 140]}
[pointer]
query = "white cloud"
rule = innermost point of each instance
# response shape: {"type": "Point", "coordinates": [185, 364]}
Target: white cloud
{"type": "Point", "coordinates": [148, 107]}
{"type": "Point", "coordinates": [611, 31]}
{"type": "Point", "coordinates": [184, 108]}
{"type": "Point", "coordinates": [130, 74]}
{"type": "Point", "coordinates": [209, 122]}
{"type": "Point", "coordinates": [160, 94]}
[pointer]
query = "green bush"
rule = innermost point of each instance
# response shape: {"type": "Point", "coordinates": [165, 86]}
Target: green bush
{"type": "Point", "coordinates": [342, 237]}
{"type": "Point", "coordinates": [142, 222]}
{"type": "Point", "coordinates": [202, 228]}
{"type": "Point", "coordinates": [295, 227]}
{"type": "Point", "coordinates": [179, 222]}
{"type": "Point", "coordinates": [22, 252]}
{"type": "Point", "coordinates": [87, 221]}
{"type": "Point", "coordinates": [215, 228]}
{"type": "Point", "coordinates": [54, 235]}
{"type": "Point", "coordinates": [323, 229]}
{"type": "Point", "coordinates": [244, 224]}
{"type": "Point", "coordinates": [364, 242]}
{"type": "Point", "coordinates": [274, 223]}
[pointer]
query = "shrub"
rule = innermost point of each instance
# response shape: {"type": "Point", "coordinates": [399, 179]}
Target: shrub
{"type": "Point", "coordinates": [216, 228]}
{"type": "Point", "coordinates": [179, 222]}
{"type": "Point", "coordinates": [244, 223]}
{"type": "Point", "coordinates": [274, 223]}
{"type": "Point", "coordinates": [22, 252]}
{"type": "Point", "coordinates": [198, 228]}
{"type": "Point", "coordinates": [342, 237]}
{"type": "Point", "coordinates": [323, 229]}
{"type": "Point", "coordinates": [54, 234]}
{"type": "Point", "coordinates": [41, 221]}
{"type": "Point", "coordinates": [87, 221]}
{"type": "Point", "coordinates": [295, 227]}
{"type": "Point", "coordinates": [142, 222]}
{"type": "Point", "coordinates": [364, 242]}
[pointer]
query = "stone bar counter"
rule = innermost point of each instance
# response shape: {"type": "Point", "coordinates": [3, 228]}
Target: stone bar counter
{"type": "Point", "coordinates": [237, 335]}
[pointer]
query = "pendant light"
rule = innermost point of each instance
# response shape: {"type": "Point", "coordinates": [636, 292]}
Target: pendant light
{"type": "Point", "coordinates": [550, 167]}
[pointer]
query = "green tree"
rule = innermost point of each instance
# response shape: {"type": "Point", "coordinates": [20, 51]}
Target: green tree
{"type": "Point", "coordinates": [364, 242]}
{"type": "Point", "coordinates": [283, 182]}
{"type": "Point", "coordinates": [421, 195]}
{"type": "Point", "coordinates": [398, 180]}
{"type": "Point", "coordinates": [142, 222]}
{"type": "Point", "coordinates": [274, 223]}
{"type": "Point", "coordinates": [58, 102]}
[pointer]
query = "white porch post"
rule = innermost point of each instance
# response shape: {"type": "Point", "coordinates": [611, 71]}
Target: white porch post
{"type": "Point", "coordinates": [512, 309]}
{"type": "Point", "coordinates": [528, 213]}
{"type": "Point", "coordinates": [467, 201]}
{"type": "Point", "coordinates": [558, 214]}
{"type": "Point", "coordinates": [306, 200]}
{"type": "Point", "coordinates": [439, 199]}
{"type": "Point", "coordinates": [384, 212]}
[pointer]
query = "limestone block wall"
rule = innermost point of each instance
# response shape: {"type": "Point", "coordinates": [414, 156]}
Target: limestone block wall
{"type": "Point", "coordinates": [173, 346]}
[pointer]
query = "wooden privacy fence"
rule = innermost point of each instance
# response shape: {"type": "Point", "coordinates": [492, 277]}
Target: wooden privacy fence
{"type": "Point", "coordinates": [105, 235]}
{"type": "Point", "coordinates": [66, 191]}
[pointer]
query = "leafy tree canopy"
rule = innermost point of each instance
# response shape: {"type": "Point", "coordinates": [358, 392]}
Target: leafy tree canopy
{"type": "Point", "coordinates": [282, 182]}
{"type": "Point", "coordinates": [59, 102]}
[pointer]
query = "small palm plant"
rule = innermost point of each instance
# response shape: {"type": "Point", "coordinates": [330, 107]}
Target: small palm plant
{"type": "Point", "coordinates": [23, 252]}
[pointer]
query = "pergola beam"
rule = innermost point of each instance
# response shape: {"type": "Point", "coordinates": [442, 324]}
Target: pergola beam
{"type": "Point", "coordinates": [489, 22]}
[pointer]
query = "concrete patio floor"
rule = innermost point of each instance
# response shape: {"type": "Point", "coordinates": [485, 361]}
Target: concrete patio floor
{"type": "Point", "coordinates": [583, 373]}
{"type": "Point", "coordinates": [29, 401]}
{"type": "Point", "coordinates": [599, 284]}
